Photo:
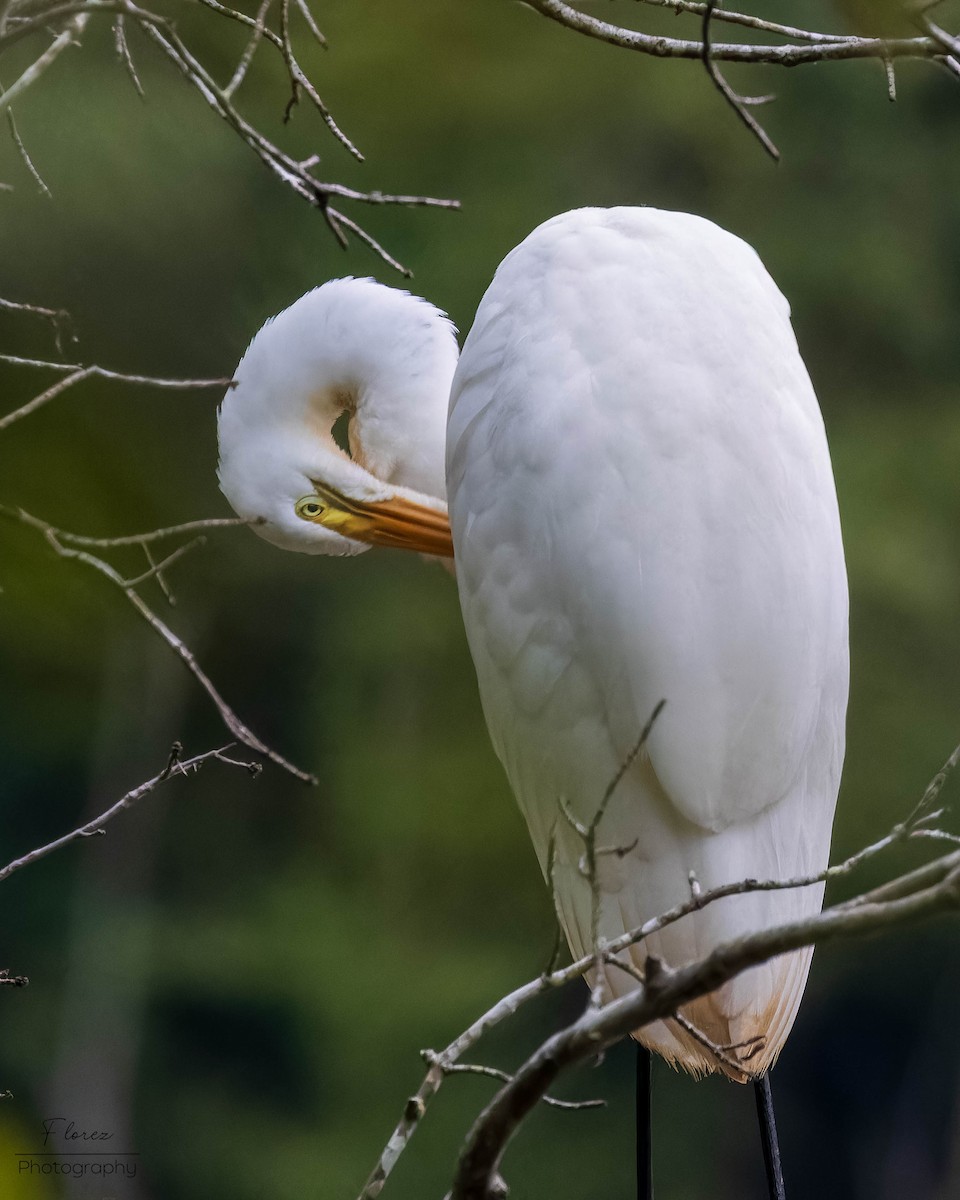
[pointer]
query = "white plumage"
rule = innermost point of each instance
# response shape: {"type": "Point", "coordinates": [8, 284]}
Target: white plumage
{"type": "Point", "coordinates": [642, 508]}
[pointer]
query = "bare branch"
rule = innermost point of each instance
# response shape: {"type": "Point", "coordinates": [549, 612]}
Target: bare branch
{"type": "Point", "coordinates": [748, 20]}
{"type": "Point", "coordinates": [57, 540]}
{"type": "Point", "coordinates": [17, 361]}
{"type": "Point", "coordinates": [120, 376]}
{"type": "Point", "coordinates": [943, 39]}
{"type": "Point", "coordinates": [591, 851]}
{"type": "Point", "coordinates": [34, 17]}
{"type": "Point", "coordinates": [737, 102]}
{"type": "Point", "coordinates": [596, 1029]}
{"type": "Point", "coordinates": [891, 74]}
{"type": "Point", "coordinates": [59, 318]}
{"type": "Point", "coordinates": [157, 567]}
{"type": "Point", "coordinates": [416, 1106]}
{"type": "Point", "coordinates": [288, 57]}
{"type": "Point", "coordinates": [311, 24]}
{"type": "Point", "coordinates": [175, 766]}
{"type": "Point", "coordinates": [827, 48]}
{"type": "Point", "coordinates": [249, 51]}
{"type": "Point", "coordinates": [721, 1053]}
{"type": "Point", "coordinates": [156, 570]}
{"type": "Point", "coordinates": [155, 535]}
{"type": "Point", "coordinates": [123, 53]}
{"type": "Point", "coordinates": [431, 1057]}
{"type": "Point", "coordinates": [25, 157]}
{"type": "Point", "coordinates": [69, 37]}
{"type": "Point", "coordinates": [293, 173]}
{"type": "Point", "coordinates": [337, 219]}
{"type": "Point", "coordinates": [925, 877]}
{"type": "Point", "coordinates": [803, 46]}
{"type": "Point", "coordinates": [298, 78]}
{"type": "Point", "coordinates": [37, 402]}
{"type": "Point", "coordinates": [79, 373]}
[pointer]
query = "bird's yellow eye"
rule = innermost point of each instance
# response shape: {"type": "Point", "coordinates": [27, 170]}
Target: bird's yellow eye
{"type": "Point", "coordinates": [309, 508]}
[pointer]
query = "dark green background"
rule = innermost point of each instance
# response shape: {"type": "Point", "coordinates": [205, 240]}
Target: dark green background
{"type": "Point", "coordinates": [238, 978]}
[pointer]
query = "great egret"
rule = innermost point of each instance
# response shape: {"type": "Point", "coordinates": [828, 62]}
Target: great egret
{"type": "Point", "coordinates": [642, 508]}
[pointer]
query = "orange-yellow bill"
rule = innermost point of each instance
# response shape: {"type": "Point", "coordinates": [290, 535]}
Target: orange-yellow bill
{"type": "Point", "coordinates": [396, 522]}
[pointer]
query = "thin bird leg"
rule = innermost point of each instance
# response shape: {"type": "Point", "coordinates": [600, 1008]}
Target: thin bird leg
{"type": "Point", "coordinates": [644, 1129]}
{"type": "Point", "coordinates": [768, 1138]}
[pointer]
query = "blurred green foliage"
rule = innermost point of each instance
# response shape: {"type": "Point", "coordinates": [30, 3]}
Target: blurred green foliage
{"type": "Point", "coordinates": [238, 978]}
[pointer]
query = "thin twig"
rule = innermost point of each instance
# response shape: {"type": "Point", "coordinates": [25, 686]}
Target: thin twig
{"type": "Point", "coordinates": [175, 766]}
{"type": "Point", "coordinates": [431, 1057]}
{"type": "Point", "coordinates": [949, 43]}
{"type": "Point", "coordinates": [154, 535]}
{"type": "Point", "coordinates": [123, 53]}
{"type": "Point", "coordinates": [721, 1053]}
{"type": "Point", "coordinates": [69, 37]}
{"type": "Point", "coordinates": [748, 20]}
{"type": "Point", "coordinates": [25, 157]}
{"type": "Point", "coordinates": [120, 376]}
{"type": "Point", "coordinates": [591, 852]}
{"type": "Point", "coordinates": [311, 23]}
{"type": "Point", "coordinates": [791, 55]}
{"type": "Point", "coordinates": [79, 373]}
{"type": "Point", "coordinates": [287, 51]}
{"type": "Point", "coordinates": [298, 78]}
{"type": "Point", "coordinates": [635, 751]}
{"type": "Point", "coordinates": [45, 397]}
{"type": "Point", "coordinates": [249, 50]}
{"type": "Point", "coordinates": [156, 568]}
{"type": "Point", "coordinates": [59, 318]}
{"type": "Point", "coordinates": [891, 74]}
{"type": "Point", "coordinates": [338, 217]}
{"type": "Point", "coordinates": [737, 102]}
{"type": "Point", "coordinates": [17, 361]}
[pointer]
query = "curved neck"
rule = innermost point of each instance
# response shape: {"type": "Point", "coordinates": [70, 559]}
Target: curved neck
{"type": "Point", "coordinates": [384, 356]}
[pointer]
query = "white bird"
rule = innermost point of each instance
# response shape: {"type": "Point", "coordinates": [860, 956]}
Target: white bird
{"type": "Point", "coordinates": [642, 508]}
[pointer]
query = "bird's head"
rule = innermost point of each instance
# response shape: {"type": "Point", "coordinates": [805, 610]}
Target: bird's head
{"type": "Point", "coordinates": [383, 359]}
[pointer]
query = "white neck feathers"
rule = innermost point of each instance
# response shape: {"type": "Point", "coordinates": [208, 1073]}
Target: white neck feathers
{"type": "Point", "coordinates": [383, 355]}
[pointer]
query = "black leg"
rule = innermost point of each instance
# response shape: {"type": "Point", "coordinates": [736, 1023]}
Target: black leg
{"type": "Point", "coordinates": [644, 1132]}
{"type": "Point", "coordinates": [768, 1137]}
